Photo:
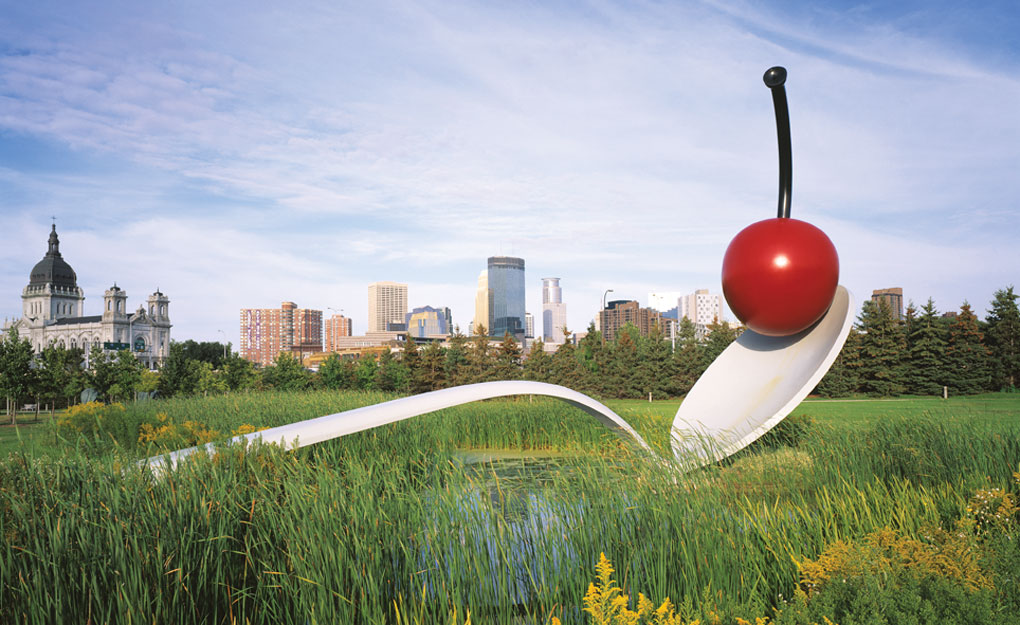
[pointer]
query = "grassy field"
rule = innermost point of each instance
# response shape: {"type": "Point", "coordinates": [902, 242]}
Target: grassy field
{"type": "Point", "coordinates": [36, 435]}
{"type": "Point", "coordinates": [392, 526]}
{"type": "Point", "coordinates": [985, 408]}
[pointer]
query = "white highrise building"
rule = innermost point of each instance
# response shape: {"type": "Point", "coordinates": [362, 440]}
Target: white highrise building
{"type": "Point", "coordinates": [554, 311]}
{"type": "Point", "coordinates": [701, 307]}
{"type": "Point", "coordinates": [387, 303]}
{"type": "Point", "coordinates": [664, 301]}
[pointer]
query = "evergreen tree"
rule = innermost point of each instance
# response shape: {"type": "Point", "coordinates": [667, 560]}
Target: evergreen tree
{"type": "Point", "coordinates": [909, 325]}
{"type": "Point", "coordinates": [843, 377]}
{"type": "Point", "coordinates": [410, 358]}
{"type": "Point", "coordinates": [508, 359]}
{"type": "Point", "coordinates": [656, 370]}
{"type": "Point", "coordinates": [430, 374]}
{"type": "Point", "coordinates": [967, 362]}
{"type": "Point", "coordinates": [566, 369]}
{"type": "Point", "coordinates": [480, 360]}
{"type": "Point", "coordinates": [456, 359]}
{"type": "Point", "coordinates": [391, 375]}
{"type": "Point", "coordinates": [625, 375]}
{"type": "Point", "coordinates": [595, 356]}
{"type": "Point", "coordinates": [688, 357]}
{"type": "Point", "coordinates": [538, 365]}
{"type": "Point", "coordinates": [718, 337]}
{"type": "Point", "coordinates": [927, 353]}
{"type": "Point", "coordinates": [1003, 339]}
{"type": "Point", "coordinates": [882, 350]}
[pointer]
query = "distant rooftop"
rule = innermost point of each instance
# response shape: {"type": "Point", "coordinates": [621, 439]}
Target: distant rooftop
{"type": "Point", "coordinates": [67, 321]}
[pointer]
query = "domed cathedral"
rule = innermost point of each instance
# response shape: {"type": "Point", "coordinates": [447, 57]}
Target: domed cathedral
{"type": "Point", "coordinates": [53, 312]}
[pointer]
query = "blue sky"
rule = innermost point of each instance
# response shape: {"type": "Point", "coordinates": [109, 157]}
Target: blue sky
{"type": "Point", "coordinates": [239, 154]}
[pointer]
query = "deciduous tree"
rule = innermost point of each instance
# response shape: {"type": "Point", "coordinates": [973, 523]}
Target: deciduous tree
{"type": "Point", "coordinates": [15, 370]}
{"type": "Point", "coordinates": [286, 374]}
{"type": "Point", "coordinates": [176, 376]}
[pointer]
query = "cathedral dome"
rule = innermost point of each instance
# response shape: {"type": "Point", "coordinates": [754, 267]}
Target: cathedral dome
{"type": "Point", "coordinates": [53, 269]}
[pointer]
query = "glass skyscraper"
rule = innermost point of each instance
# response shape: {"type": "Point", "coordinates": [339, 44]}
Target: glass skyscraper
{"type": "Point", "coordinates": [506, 281]}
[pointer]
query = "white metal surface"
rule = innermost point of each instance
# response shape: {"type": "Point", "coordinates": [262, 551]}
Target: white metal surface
{"type": "Point", "coordinates": [332, 426]}
{"type": "Point", "coordinates": [754, 384]}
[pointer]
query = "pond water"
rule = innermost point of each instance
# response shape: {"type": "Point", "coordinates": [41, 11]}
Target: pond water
{"type": "Point", "coordinates": [509, 537]}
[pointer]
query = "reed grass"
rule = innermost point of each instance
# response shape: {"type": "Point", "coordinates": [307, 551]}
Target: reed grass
{"type": "Point", "coordinates": [391, 525]}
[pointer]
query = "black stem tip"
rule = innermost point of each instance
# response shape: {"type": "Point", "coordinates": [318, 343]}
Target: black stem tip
{"type": "Point", "coordinates": [775, 77]}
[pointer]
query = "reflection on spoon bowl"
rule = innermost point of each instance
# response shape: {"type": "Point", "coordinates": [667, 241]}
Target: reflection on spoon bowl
{"type": "Point", "coordinates": [754, 384]}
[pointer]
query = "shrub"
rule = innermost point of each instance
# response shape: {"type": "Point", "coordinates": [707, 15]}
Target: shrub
{"type": "Point", "coordinates": [97, 422]}
{"type": "Point", "coordinates": [890, 578]}
{"type": "Point", "coordinates": [606, 604]}
{"type": "Point", "coordinates": [165, 433]}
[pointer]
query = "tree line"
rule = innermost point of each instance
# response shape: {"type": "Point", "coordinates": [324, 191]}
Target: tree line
{"type": "Point", "coordinates": [57, 376]}
{"type": "Point", "coordinates": [927, 351]}
{"type": "Point", "coordinates": [919, 355]}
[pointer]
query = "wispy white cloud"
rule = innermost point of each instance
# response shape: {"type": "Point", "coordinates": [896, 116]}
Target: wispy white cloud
{"type": "Point", "coordinates": [302, 154]}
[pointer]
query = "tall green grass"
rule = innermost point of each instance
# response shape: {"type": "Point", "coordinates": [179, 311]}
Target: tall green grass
{"type": "Point", "coordinates": [355, 529]}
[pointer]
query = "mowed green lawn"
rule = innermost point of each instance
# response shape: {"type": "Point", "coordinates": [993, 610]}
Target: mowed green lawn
{"type": "Point", "coordinates": [35, 436]}
{"type": "Point", "coordinates": [987, 408]}
{"type": "Point", "coordinates": [31, 435]}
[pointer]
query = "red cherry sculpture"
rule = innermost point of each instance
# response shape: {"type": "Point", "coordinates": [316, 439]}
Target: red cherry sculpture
{"type": "Point", "coordinates": [779, 275]}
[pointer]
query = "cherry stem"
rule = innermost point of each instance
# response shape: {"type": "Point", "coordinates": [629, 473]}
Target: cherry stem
{"type": "Point", "coordinates": [774, 79]}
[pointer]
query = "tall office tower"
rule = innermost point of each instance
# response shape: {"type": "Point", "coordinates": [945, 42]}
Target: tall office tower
{"type": "Point", "coordinates": [387, 304]}
{"type": "Point", "coordinates": [554, 311]}
{"type": "Point", "coordinates": [529, 326]}
{"type": "Point", "coordinates": [428, 321]}
{"type": "Point", "coordinates": [701, 307]}
{"type": "Point", "coordinates": [267, 332]}
{"type": "Point", "coordinates": [664, 301]}
{"type": "Point", "coordinates": [337, 326]}
{"type": "Point", "coordinates": [483, 304]}
{"type": "Point", "coordinates": [893, 298]}
{"type": "Point", "coordinates": [506, 279]}
{"type": "Point", "coordinates": [618, 313]}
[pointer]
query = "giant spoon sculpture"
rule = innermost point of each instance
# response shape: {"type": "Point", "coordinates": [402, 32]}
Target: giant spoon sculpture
{"type": "Point", "coordinates": [779, 278]}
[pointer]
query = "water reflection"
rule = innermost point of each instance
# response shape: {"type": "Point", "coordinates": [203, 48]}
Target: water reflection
{"type": "Point", "coordinates": [511, 533]}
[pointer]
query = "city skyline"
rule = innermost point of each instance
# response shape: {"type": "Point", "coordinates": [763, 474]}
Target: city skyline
{"type": "Point", "coordinates": [239, 158]}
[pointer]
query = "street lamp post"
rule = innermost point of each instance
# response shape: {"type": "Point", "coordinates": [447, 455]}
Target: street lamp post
{"type": "Point", "coordinates": [602, 315]}
{"type": "Point", "coordinates": [224, 343]}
